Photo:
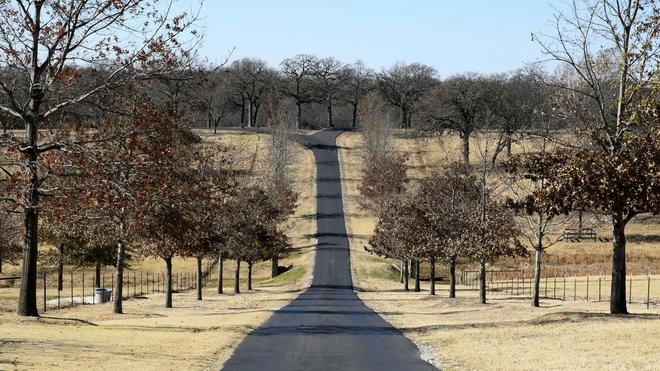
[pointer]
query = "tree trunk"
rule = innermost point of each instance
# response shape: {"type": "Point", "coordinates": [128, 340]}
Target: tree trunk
{"type": "Point", "coordinates": [401, 272]}
{"type": "Point", "coordinates": [221, 267]}
{"type": "Point", "coordinates": [404, 118]}
{"type": "Point", "coordinates": [298, 114]}
{"type": "Point", "coordinates": [406, 275]}
{"type": "Point", "coordinates": [417, 288]}
{"type": "Point", "coordinates": [482, 281]}
{"type": "Point", "coordinates": [508, 145]}
{"type": "Point", "coordinates": [330, 123]}
{"type": "Point", "coordinates": [242, 112]}
{"type": "Point", "coordinates": [249, 283]}
{"type": "Point", "coordinates": [274, 266]}
{"type": "Point", "coordinates": [27, 296]}
{"type": "Point", "coordinates": [355, 110]}
{"type": "Point", "coordinates": [452, 277]}
{"type": "Point", "coordinates": [618, 290]}
{"type": "Point", "coordinates": [580, 225]}
{"type": "Point", "coordinates": [255, 114]}
{"type": "Point", "coordinates": [60, 269]}
{"type": "Point", "coordinates": [200, 281]}
{"type": "Point", "coordinates": [432, 290]}
{"type": "Point", "coordinates": [119, 279]}
{"type": "Point", "coordinates": [27, 300]}
{"type": "Point", "coordinates": [97, 275]}
{"type": "Point", "coordinates": [168, 282]}
{"type": "Point", "coordinates": [466, 148]}
{"type": "Point", "coordinates": [237, 277]}
{"type": "Point", "coordinates": [537, 276]}
{"type": "Point", "coordinates": [249, 114]}
{"type": "Point", "coordinates": [0, 262]}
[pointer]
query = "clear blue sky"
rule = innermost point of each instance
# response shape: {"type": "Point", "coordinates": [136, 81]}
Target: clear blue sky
{"type": "Point", "coordinates": [450, 35]}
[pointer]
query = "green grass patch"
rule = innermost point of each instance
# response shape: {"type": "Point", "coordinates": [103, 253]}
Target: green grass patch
{"type": "Point", "coordinates": [293, 275]}
{"type": "Point", "coordinates": [383, 272]}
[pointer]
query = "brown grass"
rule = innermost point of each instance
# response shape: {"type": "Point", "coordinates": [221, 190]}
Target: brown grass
{"type": "Point", "coordinates": [508, 334]}
{"type": "Point", "coordinates": [193, 335]}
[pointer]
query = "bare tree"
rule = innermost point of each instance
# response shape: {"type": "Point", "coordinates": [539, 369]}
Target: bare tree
{"type": "Point", "coordinates": [459, 103]}
{"type": "Point", "coordinates": [378, 127]}
{"type": "Point", "coordinates": [282, 154]}
{"type": "Point", "coordinates": [329, 72]}
{"type": "Point", "coordinates": [251, 79]}
{"type": "Point", "coordinates": [518, 101]}
{"type": "Point", "coordinates": [404, 85]}
{"type": "Point", "coordinates": [357, 83]}
{"type": "Point", "coordinates": [527, 176]}
{"type": "Point", "coordinates": [213, 97]}
{"type": "Point", "coordinates": [298, 82]}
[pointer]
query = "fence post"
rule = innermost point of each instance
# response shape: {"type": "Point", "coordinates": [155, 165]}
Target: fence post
{"type": "Point", "coordinates": [648, 292]}
{"type": "Point", "coordinates": [141, 292]}
{"type": "Point", "coordinates": [554, 289]}
{"type": "Point", "coordinates": [44, 279]}
{"type": "Point", "coordinates": [587, 287]}
{"type": "Point", "coordinates": [83, 288]}
{"type": "Point", "coordinates": [546, 286]}
{"type": "Point", "coordinates": [71, 281]}
{"type": "Point", "coordinates": [564, 289]}
{"type": "Point", "coordinates": [575, 287]}
{"type": "Point", "coordinates": [522, 276]}
{"type": "Point", "coordinates": [630, 290]}
{"type": "Point", "coordinates": [599, 289]}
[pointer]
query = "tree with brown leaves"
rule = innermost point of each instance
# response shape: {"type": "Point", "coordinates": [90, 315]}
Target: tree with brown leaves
{"type": "Point", "coordinates": [609, 51]}
{"type": "Point", "coordinates": [123, 175]}
{"type": "Point", "coordinates": [41, 43]}
{"type": "Point", "coordinates": [446, 200]}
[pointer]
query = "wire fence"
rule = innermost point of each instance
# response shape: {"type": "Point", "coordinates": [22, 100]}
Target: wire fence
{"type": "Point", "coordinates": [77, 287]}
{"type": "Point", "coordinates": [644, 290]}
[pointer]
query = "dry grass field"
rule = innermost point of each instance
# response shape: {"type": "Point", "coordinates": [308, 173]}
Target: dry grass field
{"type": "Point", "coordinates": [192, 335]}
{"type": "Point", "coordinates": [507, 333]}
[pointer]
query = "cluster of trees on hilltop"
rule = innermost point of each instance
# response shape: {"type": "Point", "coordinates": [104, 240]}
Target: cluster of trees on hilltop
{"type": "Point", "coordinates": [326, 92]}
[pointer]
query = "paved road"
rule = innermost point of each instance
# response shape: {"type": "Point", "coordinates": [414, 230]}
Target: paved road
{"type": "Point", "coordinates": [327, 327]}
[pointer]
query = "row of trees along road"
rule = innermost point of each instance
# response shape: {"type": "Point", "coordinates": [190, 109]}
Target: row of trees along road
{"type": "Point", "coordinates": [449, 216]}
{"type": "Point", "coordinates": [118, 172]}
{"type": "Point", "coordinates": [607, 87]}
